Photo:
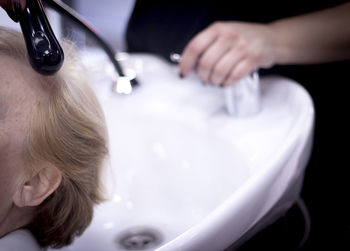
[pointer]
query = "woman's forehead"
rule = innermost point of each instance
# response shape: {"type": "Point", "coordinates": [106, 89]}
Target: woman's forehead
{"type": "Point", "coordinates": [19, 86]}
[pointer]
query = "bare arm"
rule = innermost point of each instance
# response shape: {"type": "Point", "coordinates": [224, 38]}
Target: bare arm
{"type": "Point", "coordinates": [227, 51]}
{"type": "Point", "coordinates": [321, 36]}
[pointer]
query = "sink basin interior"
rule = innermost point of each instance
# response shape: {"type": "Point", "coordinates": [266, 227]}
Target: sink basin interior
{"type": "Point", "coordinates": [175, 153]}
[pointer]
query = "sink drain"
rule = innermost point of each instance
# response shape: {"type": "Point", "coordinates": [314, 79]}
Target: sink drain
{"type": "Point", "coordinates": [139, 238]}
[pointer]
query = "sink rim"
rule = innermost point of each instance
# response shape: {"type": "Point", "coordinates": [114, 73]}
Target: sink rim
{"type": "Point", "coordinates": [192, 236]}
{"type": "Point", "coordinates": [229, 207]}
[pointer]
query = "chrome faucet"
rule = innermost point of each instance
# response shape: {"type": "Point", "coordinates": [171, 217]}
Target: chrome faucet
{"type": "Point", "coordinates": [123, 83]}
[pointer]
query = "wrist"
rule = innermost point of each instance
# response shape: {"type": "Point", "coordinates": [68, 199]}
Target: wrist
{"type": "Point", "coordinates": [282, 52]}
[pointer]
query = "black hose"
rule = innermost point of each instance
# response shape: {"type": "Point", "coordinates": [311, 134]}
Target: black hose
{"type": "Point", "coordinates": [71, 14]}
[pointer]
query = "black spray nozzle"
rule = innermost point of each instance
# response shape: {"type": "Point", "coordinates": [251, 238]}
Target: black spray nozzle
{"type": "Point", "coordinates": [45, 53]}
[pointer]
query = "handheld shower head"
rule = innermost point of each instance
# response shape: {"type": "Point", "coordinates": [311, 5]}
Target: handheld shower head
{"type": "Point", "coordinates": [45, 53]}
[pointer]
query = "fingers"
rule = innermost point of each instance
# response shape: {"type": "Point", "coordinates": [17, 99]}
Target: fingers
{"type": "Point", "coordinates": [9, 5]}
{"type": "Point", "coordinates": [210, 58]}
{"type": "Point", "coordinates": [18, 5]}
{"type": "Point", "coordinates": [222, 69]}
{"type": "Point", "coordinates": [23, 3]}
{"type": "Point", "coordinates": [13, 8]}
{"type": "Point", "coordinates": [215, 53]}
{"type": "Point", "coordinates": [194, 50]}
{"type": "Point", "coordinates": [223, 61]}
{"type": "Point", "coordinates": [242, 69]}
{"type": "Point", "coordinates": [6, 4]}
{"type": "Point", "coordinates": [225, 52]}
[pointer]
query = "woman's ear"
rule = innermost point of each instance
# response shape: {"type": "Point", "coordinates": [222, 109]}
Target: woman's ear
{"type": "Point", "coordinates": [38, 187]}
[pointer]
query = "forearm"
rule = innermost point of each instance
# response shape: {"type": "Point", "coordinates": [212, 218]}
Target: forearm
{"type": "Point", "coordinates": [318, 37]}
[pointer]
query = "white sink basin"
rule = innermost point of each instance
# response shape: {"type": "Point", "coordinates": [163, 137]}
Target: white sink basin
{"type": "Point", "coordinates": [181, 166]}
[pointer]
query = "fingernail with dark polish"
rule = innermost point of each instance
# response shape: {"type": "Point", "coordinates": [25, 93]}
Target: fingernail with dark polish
{"type": "Point", "coordinates": [221, 85]}
{"type": "Point", "coordinates": [181, 75]}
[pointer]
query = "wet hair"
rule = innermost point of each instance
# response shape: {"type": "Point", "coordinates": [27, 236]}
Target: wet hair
{"type": "Point", "coordinates": [66, 129]}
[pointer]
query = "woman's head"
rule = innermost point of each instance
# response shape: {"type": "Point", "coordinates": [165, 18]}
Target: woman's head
{"type": "Point", "coordinates": [55, 129]}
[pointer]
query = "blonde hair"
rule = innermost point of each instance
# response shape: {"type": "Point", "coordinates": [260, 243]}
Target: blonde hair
{"type": "Point", "coordinates": [67, 130]}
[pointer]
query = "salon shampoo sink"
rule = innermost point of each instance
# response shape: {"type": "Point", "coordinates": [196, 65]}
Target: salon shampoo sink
{"type": "Point", "coordinates": [183, 174]}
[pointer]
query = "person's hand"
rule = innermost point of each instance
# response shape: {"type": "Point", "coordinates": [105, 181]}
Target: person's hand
{"type": "Point", "coordinates": [13, 8]}
{"type": "Point", "coordinates": [225, 52]}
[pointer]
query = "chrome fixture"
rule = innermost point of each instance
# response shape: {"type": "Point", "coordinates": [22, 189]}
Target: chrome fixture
{"type": "Point", "coordinates": [122, 79]}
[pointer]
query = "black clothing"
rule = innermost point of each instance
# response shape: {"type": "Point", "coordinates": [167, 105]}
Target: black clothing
{"type": "Point", "coordinates": [162, 27]}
